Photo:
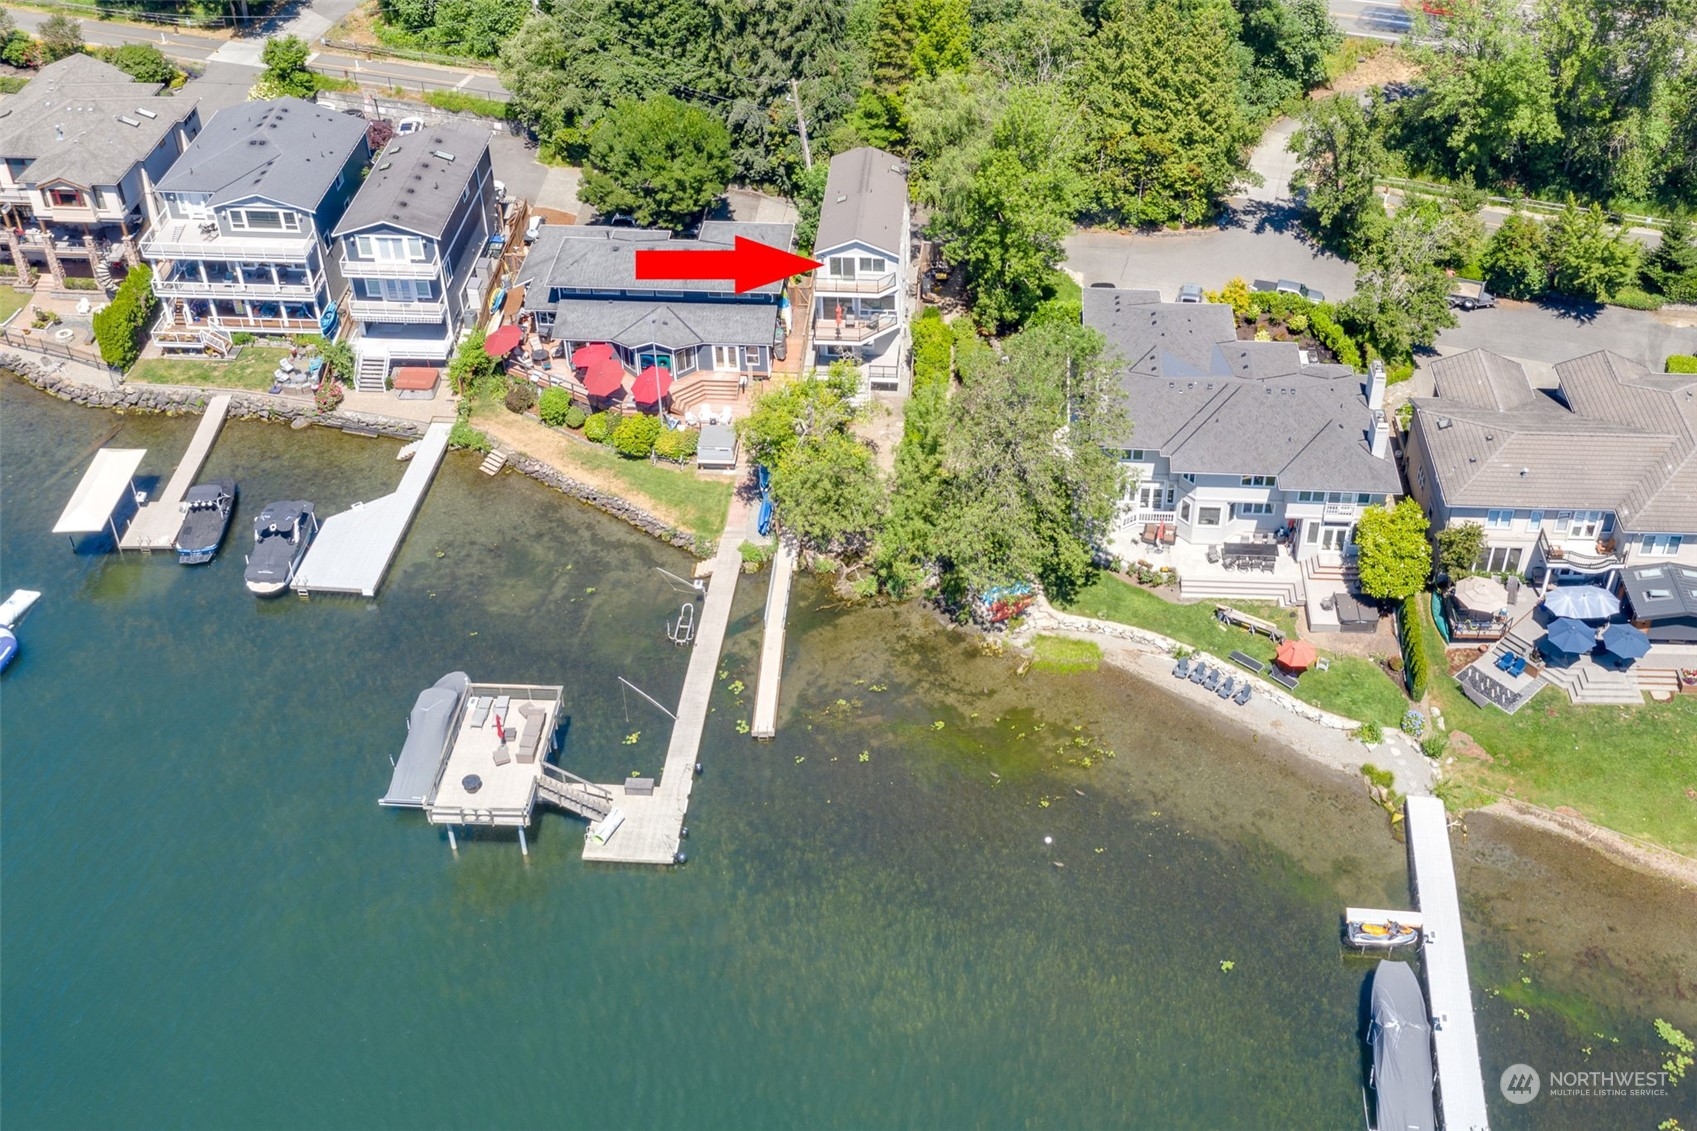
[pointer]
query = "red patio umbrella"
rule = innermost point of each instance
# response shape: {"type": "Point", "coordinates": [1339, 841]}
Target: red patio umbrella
{"type": "Point", "coordinates": [604, 377]}
{"type": "Point", "coordinates": [585, 356]}
{"type": "Point", "coordinates": [651, 384]}
{"type": "Point", "coordinates": [502, 341]}
{"type": "Point", "coordinates": [1296, 655]}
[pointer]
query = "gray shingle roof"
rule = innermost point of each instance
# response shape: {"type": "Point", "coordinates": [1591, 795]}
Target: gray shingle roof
{"type": "Point", "coordinates": [1666, 589]}
{"type": "Point", "coordinates": [634, 323]}
{"type": "Point", "coordinates": [1627, 442]}
{"type": "Point", "coordinates": [410, 187]}
{"type": "Point", "coordinates": [66, 122]}
{"type": "Point", "coordinates": [285, 150]}
{"type": "Point", "coordinates": [1214, 405]}
{"type": "Point", "coordinates": [595, 258]}
{"type": "Point", "coordinates": [1481, 378]}
{"type": "Point", "coordinates": [865, 200]}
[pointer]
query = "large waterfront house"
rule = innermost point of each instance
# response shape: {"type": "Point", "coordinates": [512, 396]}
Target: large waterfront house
{"type": "Point", "coordinates": [860, 295]}
{"type": "Point", "coordinates": [1251, 461]}
{"type": "Point", "coordinates": [412, 246]}
{"type": "Point", "coordinates": [580, 288]}
{"type": "Point", "coordinates": [1571, 483]}
{"type": "Point", "coordinates": [79, 145]}
{"type": "Point", "coordinates": [240, 232]}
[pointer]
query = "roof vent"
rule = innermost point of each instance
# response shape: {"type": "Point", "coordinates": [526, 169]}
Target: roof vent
{"type": "Point", "coordinates": [385, 165]}
{"type": "Point", "coordinates": [442, 153]}
{"type": "Point", "coordinates": [1490, 436]}
{"type": "Point", "coordinates": [1444, 422]}
{"type": "Point", "coordinates": [1525, 471]}
{"type": "Point", "coordinates": [58, 132]}
{"type": "Point", "coordinates": [146, 113]}
{"type": "Point", "coordinates": [127, 120]}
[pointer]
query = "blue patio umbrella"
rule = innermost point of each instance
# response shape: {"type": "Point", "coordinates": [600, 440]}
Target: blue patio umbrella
{"type": "Point", "coordinates": [1586, 602]}
{"type": "Point", "coordinates": [1625, 641]}
{"type": "Point", "coordinates": [1571, 636]}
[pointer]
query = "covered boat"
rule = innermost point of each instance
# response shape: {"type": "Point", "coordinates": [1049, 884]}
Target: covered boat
{"type": "Point", "coordinates": [281, 535]}
{"type": "Point", "coordinates": [8, 647]}
{"type": "Point", "coordinates": [428, 730]}
{"type": "Point", "coordinates": [1380, 936]}
{"type": "Point", "coordinates": [206, 515]}
{"type": "Point", "coordinates": [1401, 1039]}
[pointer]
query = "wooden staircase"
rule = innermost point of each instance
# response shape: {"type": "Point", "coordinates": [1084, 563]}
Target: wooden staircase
{"type": "Point", "coordinates": [716, 389]}
{"type": "Point", "coordinates": [567, 791]}
{"type": "Point", "coordinates": [493, 462]}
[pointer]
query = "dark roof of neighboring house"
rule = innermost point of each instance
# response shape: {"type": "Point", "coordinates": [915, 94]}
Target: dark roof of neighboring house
{"type": "Point", "coordinates": [1626, 441]}
{"type": "Point", "coordinates": [596, 258]}
{"type": "Point", "coordinates": [635, 322]}
{"type": "Point", "coordinates": [284, 150]}
{"type": "Point", "coordinates": [416, 182]}
{"type": "Point", "coordinates": [73, 120]}
{"type": "Point", "coordinates": [1666, 589]}
{"type": "Point", "coordinates": [1215, 405]}
{"type": "Point", "coordinates": [865, 201]}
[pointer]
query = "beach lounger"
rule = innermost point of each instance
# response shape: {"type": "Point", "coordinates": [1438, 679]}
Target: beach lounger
{"type": "Point", "coordinates": [1504, 660]}
{"type": "Point", "coordinates": [1228, 687]}
{"type": "Point", "coordinates": [1181, 670]}
{"type": "Point", "coordinates": [1243, 694]}
{"type": "Point", "coordinates": [1199, 673]}
{"type": "Point", "coordinates": [1213, 679]}
{"type": "Point", "coordinates": [480, 711]}
{"type": "Point", "coordinates": [502, 702]}
{"type": "Point", "coordinates": [1283, 678]}
{"type": "Point", "coordinates": [1518, 667]}
{"type": "Point", "coordinates": [1249, 662]}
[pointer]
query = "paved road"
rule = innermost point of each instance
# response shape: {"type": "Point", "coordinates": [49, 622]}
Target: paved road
{"type": "Point", "coordinates": [1259, 242]}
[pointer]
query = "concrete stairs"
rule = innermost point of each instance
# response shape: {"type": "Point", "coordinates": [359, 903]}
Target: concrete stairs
{"type": "Point", "coordinates": [1281, 591]}
{"type": "Point", "coordinates": [1657, 680]}
{"type": "Point", "coordinates": [371, 374]}
{"type": "Point", "coordinates": [1587, 684]}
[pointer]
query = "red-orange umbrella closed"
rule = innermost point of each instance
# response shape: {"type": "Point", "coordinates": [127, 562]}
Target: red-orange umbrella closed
{"type": "Point", "coordinates": [603, 378]}
{"type": "Point", "coordinates": [502, 341]}
{"type": "Point", "coordinates": [651, 384]}
{"type": "Point", "coordinates": [1296, 655]}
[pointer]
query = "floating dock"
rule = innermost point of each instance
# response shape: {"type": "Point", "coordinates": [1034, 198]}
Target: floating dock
{"type": "Point", "coordinates": [653, 822]}
{"type": "Point", "coordinates": [353, 549]}
{"type": "Point", "coordinates": [156, 523]}
{"type": "Point", "coordinates": [772, 642]}
{"type": "Point", "coordinates": [1449, 996]}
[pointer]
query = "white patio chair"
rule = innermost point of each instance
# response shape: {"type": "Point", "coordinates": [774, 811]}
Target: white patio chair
{"type": "Point", "coordinates": [709, 414]}
{"type": "Point", "coordinates": [725, 416]}
{"type": "Point", "coordinates": [689, 418]}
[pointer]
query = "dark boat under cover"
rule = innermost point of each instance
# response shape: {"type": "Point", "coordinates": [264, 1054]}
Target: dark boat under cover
{"type": "Point", "coordinates": [281, 535]}
{"type": "Point", "coordinates": [206, 515]}
{"type": "Point", "coordinates": [1401, 1038]}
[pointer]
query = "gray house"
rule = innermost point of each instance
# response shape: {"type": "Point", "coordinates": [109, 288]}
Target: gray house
{"type": "Point", "coordinates": [1239, 442]}
{"type": "Point", "coordinates": [580, 288]}
{"type": "Point", "coordinates": [860, 299]}
{"type": "Point", "coordinates": [1571, 483]}
{"type": "Point", "coordinates": [414, 247]}
{"type": "Point", "coordinates": [78, 146]}
{"type": "Point", "coordinates": [240, 236]}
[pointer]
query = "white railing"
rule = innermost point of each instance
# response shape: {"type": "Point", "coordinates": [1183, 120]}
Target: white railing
{"type": "Point", "coordinates": [1132, 516]}
{"type": "Point", "coordinates": [852, 329]}
{"type": "Point", "coordinates": [185, 240]}
{"type": "Point", "coordinates": [374, 269]}
{"type": "Point", "coordinates": [1340, 510]}
{"type": "Point", "coordinates": [191, 288]}
{"type": "Point", "coordinates": [859, 285]}
{"type": "Point", "coordinates": [389, 310]}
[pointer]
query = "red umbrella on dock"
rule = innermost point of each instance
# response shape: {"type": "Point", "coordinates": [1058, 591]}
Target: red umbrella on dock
{"type": "Point", "coordinates": [585, 356]}
{"type": "Point", "coordinates": [503, 341]}
{"type": "Point", "coordinates": [651, 384]}
{"type": "Point", "coordinates": [604, 377]}
{"type": "Point", "coordinates": [1295, 655]}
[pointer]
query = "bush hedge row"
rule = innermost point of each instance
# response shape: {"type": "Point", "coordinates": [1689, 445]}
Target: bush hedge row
{"type": "Point", "coordinates": [933, 343]}
{"type": "Point", "coordinates": [1411, 631]}
{"type": "Point", "coordinates": [118, 327]}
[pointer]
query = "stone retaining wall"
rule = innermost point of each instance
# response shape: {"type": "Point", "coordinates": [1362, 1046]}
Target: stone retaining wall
{"type": "Point", "coordinates": [1044, 617]}
{"type": "Point", "coordinates": [176, 400]}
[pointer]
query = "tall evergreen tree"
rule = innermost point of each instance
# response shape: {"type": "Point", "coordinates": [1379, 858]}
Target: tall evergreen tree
{"type": "Point", "coordinates": [879, 114]}
{"type": "Point", "coordinates": [1672, 268]}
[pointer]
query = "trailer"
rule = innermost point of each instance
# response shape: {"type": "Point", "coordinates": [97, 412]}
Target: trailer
{"type": "Point", "coordinates": [1470, 294]}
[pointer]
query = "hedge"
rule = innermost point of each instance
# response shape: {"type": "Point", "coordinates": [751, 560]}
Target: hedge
{"type": "Point", "coordinates": [1411, 631]}
{"type": "Point", "coordinates": [554, 406]}
{"type": "Point", "coordinates": [1634, 299]}
{"type": "Point", "coordinates": [635, 435]}
{"type": "Point", "coordinates": [932, 345]}
{"type": "Point", "coordinates": [119, 325]}
{"type": "Point", "coordinates": [1682, 363]}
{"type": "Point", "coordinates": [678, 445]}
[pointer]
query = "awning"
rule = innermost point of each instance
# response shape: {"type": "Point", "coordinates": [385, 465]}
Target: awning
{"type": "Point", "coordinates": [103, 486]}
{"type": "Point", "coordinates": [427, 739]}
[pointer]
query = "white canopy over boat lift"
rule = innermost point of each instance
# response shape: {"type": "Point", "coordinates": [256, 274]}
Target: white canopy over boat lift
{"type": "Point", "coordinates": [104, 485]}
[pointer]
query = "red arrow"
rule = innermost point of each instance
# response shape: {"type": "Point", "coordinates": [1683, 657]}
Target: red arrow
{"type": "Point", "coordinates": [750, 264]}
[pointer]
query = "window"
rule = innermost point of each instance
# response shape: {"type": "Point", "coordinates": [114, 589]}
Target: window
{"type": "Point", "coordinates": [1310, 496]}
{"type": "Point", "coordinates": [256, 220]}
{"type": "Point", "coordinates": [1207, 516]}
{"type": "Point", "coordinates": [1135, 455]}
{"type": "Point", "coordinates": [1499, 520]}
{"type": "Point", "coordinates": [751, 357]}
{"type": "Point", "coordinates": [390, 249]}
{"type": "Point", "coordinates": [1313, 533]}
{"type": "Point", "coordinates": [1500, 559]}
{"type": "Point", "coordinates": [1184, 511]}
{"type": "Point", "coordinates": [1535, 521]}
{"type": "Point", "coordinates": [1257, 481]}
{"type": "Point", "coordinates": [1420, 478]}
{"type": "Point", "coordinates": [1336, 497]}
{"type": "Point", "coordinates": [724, 357]}
{"type": "Point", "coordinates": [1661, 543]}
{"type": "Point", "coordinates": [65, 198]}
{"type": "Point", "coordinates": [1581, 524]}
{"type": "Point", "coordinates": [1363, 499]}
{"type": "Point", "coordinates": [842, 266]}
{"type": "Point", "coordinates": [1246, 510]}
{"type": "Point", "coordinates": [1188, 478]}
{"type": "Point", "coordinates": [871, 266]}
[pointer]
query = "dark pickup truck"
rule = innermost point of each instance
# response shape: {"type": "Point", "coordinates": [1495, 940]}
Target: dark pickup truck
{"type": "Point", "coordinates": [1288, 287]}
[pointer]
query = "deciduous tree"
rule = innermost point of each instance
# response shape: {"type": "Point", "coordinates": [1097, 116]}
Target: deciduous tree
{"type": "Point", "coordinates": [658, 160]}
{"type": "Point", "coordinates": [1517, 259]}
{"type": "Point", "coordinates": [143, 62]}
{"type": "Point", "coordinates": [1459, 548]}
{"type": "Point", "coordinates": [1401, 290]}
{"type": "Point", "coordinates": [61, 36]}
{"type": "Point", "coordinates": [1395, 559]}
{"type": "Point", "coordinates": [1339, 154]}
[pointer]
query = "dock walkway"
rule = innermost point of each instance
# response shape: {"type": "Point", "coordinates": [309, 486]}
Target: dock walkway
{"type": "Point", "coordinates": [772, 643]}
{"type": "Point", "coordinates": [1455, 1040]}
{"type": "Point", "coordinates": [353, 549]}
{"type": "Point", "coordinates": [653, 826]}
{"type": "Point", "coordinates": [156, 523]}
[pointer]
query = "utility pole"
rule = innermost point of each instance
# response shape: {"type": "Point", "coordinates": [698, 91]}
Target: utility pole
{"type": "Point", "coordinates": [795, 97]}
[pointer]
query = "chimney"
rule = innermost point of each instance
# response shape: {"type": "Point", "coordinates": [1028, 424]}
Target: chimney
{"type": "Point", "coordinates": [1376, 385]}
{"type": "Point", "coordinates": [1380, 438]}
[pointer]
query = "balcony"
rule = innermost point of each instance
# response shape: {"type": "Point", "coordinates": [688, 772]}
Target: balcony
{"type": "Point", "coordinates": [1340, 512]}
{"type": "Point", "coordinates": [299, 286]}
{"type": "Point", "coordinates": [187, 239]}
{"type": "Point", "coordinates": [858, 285]}
{"type": "Point", "coordinates": [390, 310]}
{"type": "Point", "coordinates": [852, 329]}
{"type": "Point", "coordinates": [1572, 553]}
{"type": "Point", "coordinates": [389, 269]}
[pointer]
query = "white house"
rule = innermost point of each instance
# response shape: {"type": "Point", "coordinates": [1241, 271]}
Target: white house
{"type": "Point", "coordinates": [860, 295]}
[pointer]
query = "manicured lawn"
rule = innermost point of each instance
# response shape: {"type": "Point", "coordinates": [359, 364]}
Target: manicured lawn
{"type": "Point", "coordinates": [11, 301]}
{"type": "Point", "coordinates": [1633, 769]}
{"type": "Point", "coordinates": [251, 369]}
{"type": "Point", "coordinates": [1064, 655]}
{"type": "Point", "coordinates": [1352, 687]}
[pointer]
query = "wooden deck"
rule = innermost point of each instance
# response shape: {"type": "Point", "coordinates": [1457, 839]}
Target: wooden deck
{"type": "Point", "coordinates": [156, 524]}
{"type": "Point", "coordinates": [653, 827]}
{"type": "Point", "coordinates": [772, 643]}
{"type": "Point", "coordinates": [353, 549]}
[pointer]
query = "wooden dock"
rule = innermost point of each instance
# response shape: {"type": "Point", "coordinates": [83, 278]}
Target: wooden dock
{"type": "Point", "coordinates": [156, 523]}
{"type": "Point", "coordinates": [1449, 996]}
{"type": "Point", "coordinates": [653, 827]}
{"type": "Point", "coordinates": [353, 549]}
{"type": "Point", "coordinates": [772, 643]}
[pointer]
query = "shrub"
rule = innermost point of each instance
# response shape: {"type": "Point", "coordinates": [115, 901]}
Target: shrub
{"type": "Point", "coordinates": [463, 435]}
{"type": "Point", "coordinates": [754, 554]}
{"type": "Point", "coordinates": [73, 283]}
{"type": "Point", "coordinates": [45, 318]}
{"type": "Point", "coordinates": [1413, 723]}
{"type": "Point", "coordinates": [521, 396]}
{"type": "Point", "coordinates": [1398, 373]}
{"type": "Point", "coordinates": [143, 62]}
{"type": "Point", "coordinates": [932, 342]}
{"type": "Point", "coordinates": [553, 406]}
{"type": "Point", "coordinates": [1412, 632]}
{"type": "Point", "coordinates": [575, 417]}
{"type": "Point", "coordinates": [1329, 334]}
{"type": "Point", "coordinates": [1434, 745]}
{"type": "Point", "coordinates": [241, 338]}
{"type": "Point", "coordinates": [1384, 779]}
{"type": "Point", "coordinates": [118, 327]}
{"type": "Point", "coordinates": [329, 396]}
{"type": "Point", "coordinates": [459, 102]}
{"type": "Point", "coordinates": [598, 426]}
{"type": "Point", "coordinates": [1682, 363]}
{"type": "Point", "coordinates": [635, 435]}
{"type": "Point", "coordinates": [679, 445]}
{"type": "Point", "coordinates": [1634, 299]}
{"type": "Point", "coordinates": [1297, 323]}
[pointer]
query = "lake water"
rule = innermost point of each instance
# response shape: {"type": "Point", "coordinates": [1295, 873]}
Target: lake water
{"type": "Point", "coordinates": [208, 922]}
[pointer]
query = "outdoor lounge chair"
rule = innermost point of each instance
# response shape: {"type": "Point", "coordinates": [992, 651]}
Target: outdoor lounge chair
{"type": "Point", "coordinates": [1518, 667]}
{"type": "Point", "coordinates": [480, 711]}
{"type": "Point", "coordinates": [1199, 672]}
{"type": "Point", "coordinates": [1181, 670]}
{"type": "Point", "coordinates": [1282, 678]}
{"type": "Point", "coordinates": [1505, 661]}
{"type": "Point", "coordinates": [502, 754]}
{"type": "Point", "coordinates": [1243, 694]}
{"type": "Point", "coordinates": [1249, 662]}
{"type": "Point", "coordinates": [1227, 688]}
{"type": "Point", "coordinates": [1212, 681]}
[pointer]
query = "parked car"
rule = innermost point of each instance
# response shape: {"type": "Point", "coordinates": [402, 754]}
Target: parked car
{"type": "Point", "coordinates": [534, 227]}
{"type": "Point", "coordinates": [1469, 294]}
{"type": "Point", "coordinates": [1288, 287]}
{"type": "Point", "coordinates": [1190, 292]}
